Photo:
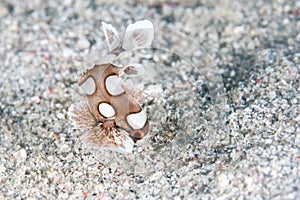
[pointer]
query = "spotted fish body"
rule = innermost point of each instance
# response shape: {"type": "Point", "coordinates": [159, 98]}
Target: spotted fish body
{"type": "Point", "coordinates": [121, 102]}
{"type": "Point", "coordinates": [111, 118]}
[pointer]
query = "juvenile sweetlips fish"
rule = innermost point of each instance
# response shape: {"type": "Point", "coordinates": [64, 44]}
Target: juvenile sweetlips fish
{"type": "Point", "coordinates": [112, 118]}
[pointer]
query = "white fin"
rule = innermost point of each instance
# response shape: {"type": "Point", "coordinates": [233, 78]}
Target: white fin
{"type": "Point", "coordinates": [136, 91]}
{"type": "Point", "coordinates": [99, 55]}
{"type": "Point", "coordinates": [112, 139]}
{"type": "Point", "coordinates": [109, 58]}
{"type": "Point", "coordinates": [138, 35]}
{"type": "Point", "coordinates": [126, 143]}
{"type": "Point", "coordinates": [81, 116]}
{"type": "Point", "coordinates": [132, 70]}
{"type": "Point", "coordinates": [111, 36]}
{"type": "Point", "coordinates": [143, 141]}
{"type": "Point", "coordinates": [95, 134]}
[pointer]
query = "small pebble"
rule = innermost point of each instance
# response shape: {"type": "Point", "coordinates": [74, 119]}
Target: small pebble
{"type": "Point", "coordinates": [83, 43]}
{"type": "Point", "coordinates": [20, 155]}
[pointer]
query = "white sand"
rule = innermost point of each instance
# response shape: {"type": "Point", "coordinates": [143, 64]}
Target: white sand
{"type": "Point", "coordinates": [225, 128]}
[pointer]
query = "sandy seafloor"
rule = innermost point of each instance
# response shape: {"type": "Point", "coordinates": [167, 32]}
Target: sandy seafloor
{"type": "Point", "coordinates": [226, 127]}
